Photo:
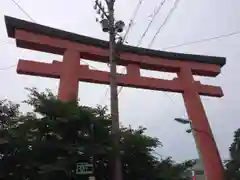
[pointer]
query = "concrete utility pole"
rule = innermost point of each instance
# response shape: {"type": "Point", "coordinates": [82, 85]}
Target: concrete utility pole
{"type": "Point", "coordinates": [117, 173]}
{"type": "Point", "coordinates": [113, 28]}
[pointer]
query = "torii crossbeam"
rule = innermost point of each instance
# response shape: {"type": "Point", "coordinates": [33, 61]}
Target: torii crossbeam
{"type": "Point", "coordinates": [73, 47]}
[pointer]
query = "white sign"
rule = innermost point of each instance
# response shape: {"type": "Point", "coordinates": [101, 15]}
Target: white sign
{"type": "Point", "coordinates": [84, 168]}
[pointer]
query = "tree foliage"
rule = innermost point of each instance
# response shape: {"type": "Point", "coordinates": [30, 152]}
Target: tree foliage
{"type": "Point", "coordinates": [233, 165]}
{"type": "Point", "coordinates": [46, 144]}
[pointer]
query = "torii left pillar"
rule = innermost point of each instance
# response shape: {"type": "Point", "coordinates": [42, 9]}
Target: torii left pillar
{"type": "Point", "coordinates": [68, 86]}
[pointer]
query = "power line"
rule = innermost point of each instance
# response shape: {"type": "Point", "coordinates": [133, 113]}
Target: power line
{"type": "Point", "coordinates": [158, 31]}
{"type": "Point", "coordinates": [156, 34]}
{"type": "Point", "coordinates": [203, 40]}
{"type": "Point", "coordinates": [132, 19]}
{"type": "Point", "coordinates": [8, 67]}
{"type": "Point", "coordinates": [130, 25]}
{"type": "Point", "coordinates": [25, 12]}
{"type": "Point", "coordinates": [155, 13]}
{"type": "Point", "coordinates": [199, 41]}
{"type": "Point", "coordinates": [164, 22]}
{"type": "Point", "coordinates": [188, 43]}
{"type": "Point", "coordinates": [150, 23]}
{"type": "Point", "coordinates": [28, 15]}
{"type": "Point", "coordinates": [2, 41]}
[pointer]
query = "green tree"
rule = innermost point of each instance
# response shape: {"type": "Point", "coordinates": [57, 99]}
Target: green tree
{"type": "Point", "coordinates": [233, 165]}
{"type": "Point", "coordinates": [46, 144]}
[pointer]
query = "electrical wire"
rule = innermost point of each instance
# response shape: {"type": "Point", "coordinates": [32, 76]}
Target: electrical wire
{"type": "Point", "coordinates": [147, 29]}
{"type": "Point", "coordinates": [150, 23]}
{"type": "Point", "coordinates": [202, 40]}
{"type": "Point", "coordinates": [159, 30]}
{"type": "Point", "coordinates": [155, 36]}
{"type": "Point", "coordinates": [132, 19]}
{"type": "Point", "coordinates": [130, 25]}
{"type": "Point", "coordinates": [152, 20]}
{"type": "Point", "coordinates": [164, 22]}
{"type": "Point", "coordinates": [25, 12]}
{"type": "Point", "coordinates": [8, 67]}
{"type": "Point", "coordinates": [28, 15]}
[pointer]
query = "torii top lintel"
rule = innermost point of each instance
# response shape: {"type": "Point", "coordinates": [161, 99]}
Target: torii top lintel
{"type": "Point", "coordinates": [73, 47]}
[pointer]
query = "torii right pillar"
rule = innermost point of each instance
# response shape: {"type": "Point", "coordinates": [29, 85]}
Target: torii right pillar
{"type": "Point", "coordinates": [196, 113]}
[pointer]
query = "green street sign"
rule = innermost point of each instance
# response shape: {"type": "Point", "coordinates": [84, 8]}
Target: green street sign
{"type": "Point", "coordinates": [83, 168]}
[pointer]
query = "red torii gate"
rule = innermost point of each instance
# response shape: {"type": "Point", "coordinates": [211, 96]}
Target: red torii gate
{"type": "Point", "coordinates": [73, 47]}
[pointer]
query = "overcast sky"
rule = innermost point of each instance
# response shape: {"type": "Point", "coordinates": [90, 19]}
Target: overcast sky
{"type": "Point", "coordinates": [192, 20]}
